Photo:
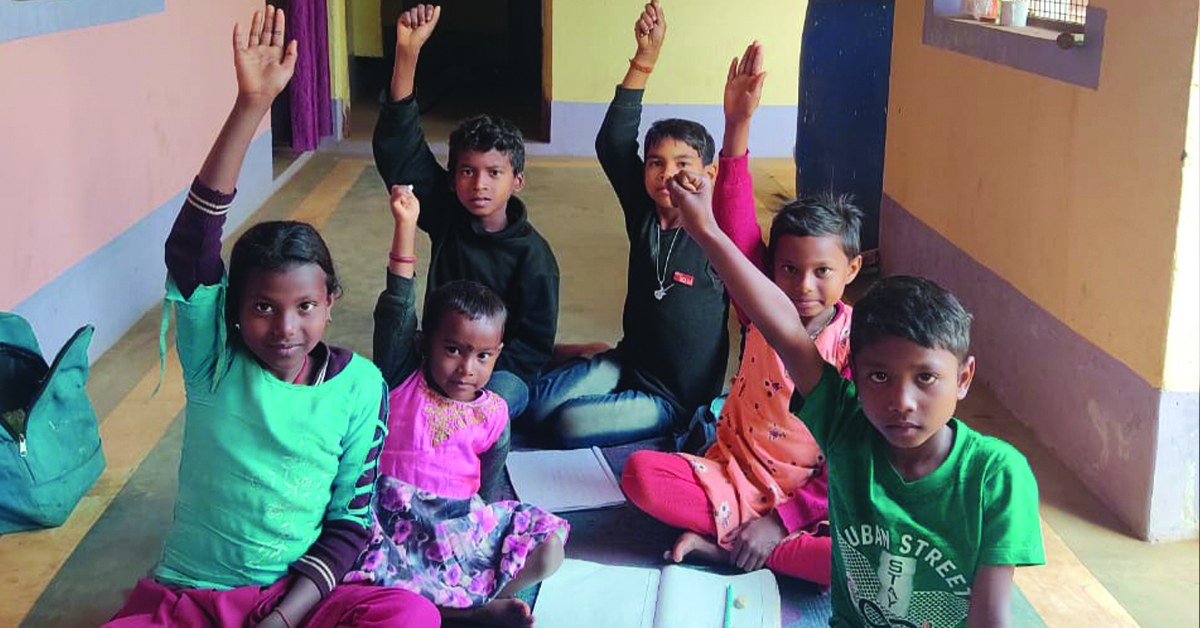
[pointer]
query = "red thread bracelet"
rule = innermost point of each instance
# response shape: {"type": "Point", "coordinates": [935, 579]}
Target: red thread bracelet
{"type": "Point", "coordinates": [402, 260]}
{"type": "Point", "coordinates": [640, 68]}
{"type": "Point", "coordinates": [283, 617]}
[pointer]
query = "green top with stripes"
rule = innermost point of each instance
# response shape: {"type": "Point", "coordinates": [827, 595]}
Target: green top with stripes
{"type": "Point", "coordinates": [265, 463]}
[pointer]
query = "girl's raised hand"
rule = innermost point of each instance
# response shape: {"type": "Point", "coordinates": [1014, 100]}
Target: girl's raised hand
{"type": "Point", "coordinates": [264, 65]}
{"type": "Point", "coordinates": [415, 26]}
{"type": "Point", "coordinates": [743, 85]}
{"type": "Point", "coordinates": [691, 194]}
{"type": "Point", "coordinates": [405, 206]}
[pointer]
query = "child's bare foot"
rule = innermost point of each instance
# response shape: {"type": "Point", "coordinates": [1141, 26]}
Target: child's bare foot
{"type": "Point", "coordinates": [697, 546]}
{"type": "Point", "coordinates": [505, 612]}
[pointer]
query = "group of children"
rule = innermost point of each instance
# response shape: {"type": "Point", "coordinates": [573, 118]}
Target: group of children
{"type": "Point", "coordinates": [319, 489]}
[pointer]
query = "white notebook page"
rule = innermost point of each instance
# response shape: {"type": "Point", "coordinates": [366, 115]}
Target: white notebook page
{"type": "Point", "coordinates": [689, 598]}
{"type": "Point", "coordinates": [561, 481]}
{"type": "Point", "coordinates": [583, 594]}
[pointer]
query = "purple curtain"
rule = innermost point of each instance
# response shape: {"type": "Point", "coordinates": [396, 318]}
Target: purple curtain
{"type": "Point", "coordinates": [312, 119]}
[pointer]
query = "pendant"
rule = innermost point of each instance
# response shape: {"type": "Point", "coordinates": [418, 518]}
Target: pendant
{"type": "Point", "coordinates": [660, 293]}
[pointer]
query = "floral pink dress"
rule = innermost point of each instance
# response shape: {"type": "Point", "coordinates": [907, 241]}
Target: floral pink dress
{"type": "Point", "coordinates": [433, 534]}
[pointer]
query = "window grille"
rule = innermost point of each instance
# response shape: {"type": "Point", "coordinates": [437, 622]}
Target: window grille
{"type": "Point", "coordinates": [1061, 11]}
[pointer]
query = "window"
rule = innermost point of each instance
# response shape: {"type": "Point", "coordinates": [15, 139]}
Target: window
{"type": "Point", "coordinates": [1069, 15]}
{"type": "Point", "coordinates": [1035, 49]}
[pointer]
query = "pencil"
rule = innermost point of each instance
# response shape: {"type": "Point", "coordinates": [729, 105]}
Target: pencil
{"type": "Point", "coordinates": [728, 606]}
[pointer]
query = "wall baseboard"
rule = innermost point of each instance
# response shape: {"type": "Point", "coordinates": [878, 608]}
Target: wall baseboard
{"type": "Point", "coordinates": [573, 127]}
{"type": "Point", "coordinates": [1132, 444]}
{"type": "Point", "coordinates": [117, 284]}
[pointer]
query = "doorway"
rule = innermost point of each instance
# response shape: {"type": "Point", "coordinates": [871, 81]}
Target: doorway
{"type": "Point", "coordinates": [302, 116]}
{"type": "Point", "coordinates": [486, 56]}
{"type": "Point", "coordinates": [282, 153]}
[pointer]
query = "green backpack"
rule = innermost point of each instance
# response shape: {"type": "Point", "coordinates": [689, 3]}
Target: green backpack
{"type": "Point", "coordinates": [50, 451]}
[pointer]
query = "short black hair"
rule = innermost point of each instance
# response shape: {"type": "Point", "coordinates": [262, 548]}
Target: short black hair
{"type": "Point", "coordinates": [826, 214]}
{"type": "Point", "coordinates": [914, 309]}
{"type": "Point", "coordinates": [691, 133]}
{"type": "Point", "coordinates": [468, 298]}
{"type": "Point", "coordinates": [276, 245]}
{"type": "Point", "coordinates": [483, 133]}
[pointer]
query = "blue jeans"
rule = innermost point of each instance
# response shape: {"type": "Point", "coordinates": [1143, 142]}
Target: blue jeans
{"type": "Point", "coordinates": [515, 393]}
{"type": "Point", "coordinates": [701, 433]}
{"type": "Point", "coordinates": [582, 404]}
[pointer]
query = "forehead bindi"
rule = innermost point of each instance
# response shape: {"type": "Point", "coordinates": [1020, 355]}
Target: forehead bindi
{"type": "Point", "coordinates": [480, 334]}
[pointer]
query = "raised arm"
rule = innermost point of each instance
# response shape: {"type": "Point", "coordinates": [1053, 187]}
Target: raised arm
{"type": "Point", "coordinates": [766, 305]}
{"type": "Point", "coordinates": [650, 30]}
{"type": "Point", "coordinates": [395, 312]}
{"type": "Point", "coordinates": [743, 90]}
{"type": "Point", "coordinates": [617, 139]}
{"type": "Point", "coordinates": [402, 154]}
{"type": "Point", "coordinates": [412, 31]}
{"type": "Point", "coordinates": [733, 199]}
{"type": "Point", "coordinates": [263, 66]}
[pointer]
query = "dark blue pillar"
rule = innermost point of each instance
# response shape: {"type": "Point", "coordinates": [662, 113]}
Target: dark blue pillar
{"type": "Point", "coordinates": [845, 66]}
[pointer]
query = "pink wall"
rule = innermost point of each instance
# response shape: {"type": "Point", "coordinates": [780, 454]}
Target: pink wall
{"type": "Point", "coordinates": [102, 125]}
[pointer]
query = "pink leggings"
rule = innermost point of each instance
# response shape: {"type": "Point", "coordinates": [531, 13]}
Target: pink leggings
{"type": "Point", "coordinates": [664, 486]}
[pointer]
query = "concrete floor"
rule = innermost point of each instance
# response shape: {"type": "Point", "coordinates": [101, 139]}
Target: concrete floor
{"type": "Point", "coordinates": [77, 575]}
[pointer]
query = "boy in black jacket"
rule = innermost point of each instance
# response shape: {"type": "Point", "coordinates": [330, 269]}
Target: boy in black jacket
{"type": "Point", "coordinates": [673, 355]}
{"type": "Point", "coordinates": [478, 229]}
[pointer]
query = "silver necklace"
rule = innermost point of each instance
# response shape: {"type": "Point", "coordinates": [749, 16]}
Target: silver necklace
{"type": "Point", "coordinates": [817, 331]}
{"type": "Point", "coordinates": [662, 276]}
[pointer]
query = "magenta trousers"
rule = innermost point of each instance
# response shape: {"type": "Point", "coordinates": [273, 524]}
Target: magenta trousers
{"type": "Point", "coordinates": [151, 604]}
{"type": "Point", "coordinates": [665, 487]}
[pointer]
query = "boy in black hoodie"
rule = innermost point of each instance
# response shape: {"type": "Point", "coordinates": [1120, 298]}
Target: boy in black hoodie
{"type": "Point", "coordinates": [478, 229]}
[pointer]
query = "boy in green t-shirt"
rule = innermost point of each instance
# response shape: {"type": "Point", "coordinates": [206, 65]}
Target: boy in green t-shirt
{"type": "Point", "coordinates": [929, 517]}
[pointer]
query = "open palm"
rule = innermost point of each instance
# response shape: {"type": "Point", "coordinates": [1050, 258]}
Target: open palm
{"type": "Point", "coordinates": [264, 65]}
{"type": "Point", "coordinates": [743, 85]}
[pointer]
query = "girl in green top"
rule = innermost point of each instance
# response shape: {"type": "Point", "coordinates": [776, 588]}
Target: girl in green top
{"type": "Point", "coordinates": [283, 432]}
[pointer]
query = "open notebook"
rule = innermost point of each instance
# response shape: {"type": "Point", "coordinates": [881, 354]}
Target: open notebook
{"type": "Point", "coordinates": [584, 594]}
{"type": "Point", "coordinates": [561, 481]}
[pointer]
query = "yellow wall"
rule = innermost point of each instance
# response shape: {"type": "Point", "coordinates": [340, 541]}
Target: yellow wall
{"type": "Point", "coordinates": [339, 62]}
{"type": "Point", "coordinates": [593, 42]}
{"type": "Point", "coordinates": [1070, 194]}
{"type": "Point", "coordinates": [1183, 334]}
{"type": "Point", "coordinates": [365, 30]}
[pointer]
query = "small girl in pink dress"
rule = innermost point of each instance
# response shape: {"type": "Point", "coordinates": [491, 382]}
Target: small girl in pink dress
{"type": "Point", "coordinates": [433, 534]}
{"type": "Point", "coordinates": [758, 497]}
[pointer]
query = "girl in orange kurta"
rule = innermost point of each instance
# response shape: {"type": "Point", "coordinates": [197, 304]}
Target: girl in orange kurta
{"type": "Point", "coordinates": [757, 497]}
